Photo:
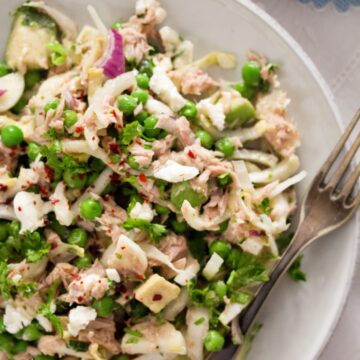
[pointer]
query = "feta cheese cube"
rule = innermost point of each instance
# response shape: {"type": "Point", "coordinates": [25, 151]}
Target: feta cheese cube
{"type": "Point", "coordinates": [174, 172]}
{"type": "Point", "coordinates": [79, 319]}
{"type": "Point", "coordinates": [156, 293]}
{"type": "Point", "coordinates": [142, 211]}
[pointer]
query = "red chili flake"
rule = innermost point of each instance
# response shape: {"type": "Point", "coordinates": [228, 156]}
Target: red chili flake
{"type": "Point", "coordinates": [157, 297]}
{"type": "Point", "coordinates": [114, 176]}
{"type": "Point", "coordinates": [256, 232]}
{"type": "Point", "coordinates": [93, 138]}
{"type": "Point", "coordinates": [34, 202]}
{"type": "Point", "coordinates": [80, 299]}
{"type": "Point", "coordinates": [49, 172]}
{"type": "Point", "coordinates": [3, 187]}
{"type": "Point", "coordinates": [54, 246]}
{"type": "Point", "coordinates": [121, 288]}
{"type": "Point", "coordinates": [123, 247]}
{"type": "Point", "coordinates": [43, 190]}
{"type": "Point", "coordinates": [114, 148]}
{"type": "Point", "coordinates": [79, 129]}
{"type": "Point", "coordinates": [55, 201]}
{"type": "Point", "coordinates": [142, 178]}
{"type": "Point", "coordinates": [81, 282]}
{"type": "Point", "coordinates": [191, 155]}
{"type": "Point", "coordinates": [19, 208]}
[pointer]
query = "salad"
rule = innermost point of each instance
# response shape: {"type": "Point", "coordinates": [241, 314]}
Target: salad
{"type": "Point", "coordinates": [142, 201]}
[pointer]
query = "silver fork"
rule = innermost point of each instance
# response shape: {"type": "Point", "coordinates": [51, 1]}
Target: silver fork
{"type": "Point", "coordinates": [326, 207]}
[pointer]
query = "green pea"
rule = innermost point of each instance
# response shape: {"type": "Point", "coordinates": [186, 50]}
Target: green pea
{"type": "Point", "coordinates": [32, 77]}
{"type": "Point", "coordinates": [74, 180]}
{"type": "Point", "coordinates": [211, 299]}
{"type": "Point", "coordinates": [127, 104]}
{"type": "Point", "coordinates": [90, 209]}
{"type": "Point", "coordinates": [4, 70]}
{"type": "Point", "coordinates": [11, 135]}
{"type": "Point", "coordinates": [189, 111]}
{"type": "Point", "coordinates": [58, 53]}
{"type": "Point", "coordinates": [206, 139]}
{"type": "Point", "coordinates": [214, 341]}
{"type": "Point", "coordinates": [234, 258]}
{"type": "Point", "coordinates": [19, 106]}
{"type": "Point", "coordinates": [141, 117]}
{"type": "Point", "coordinates": [7, 343]}
{"type": "Point", "coordinates": [149, 127]}
{"type": "Point", "coordinates": [70, 118]}
{"type": "Point", "coordinates": [33, 151]}
{"type": "Point", "coordinates": [179, 227]}
{"type": "Point", "coordinates": [105, 306]}
{"type": "Point", "coordinates": [51, 105]}
{"type": "Point", "coordinates": [221, 247]}
{"type": "Point", "coordinates": [78, 237]}
{"type": "Point", "coordinates": [83, 262]}
{"type": "Point", "coordinates": [141, 96]}
{"type": "Point", "coordinates": [146, 67]}
{"type": "Point", "coordinates": [117, 25]}
{"type": "Point", "coordinates": [245, 91]}
{"type": "Point", "coordinates": [251, 73]}
{"type": "Point", "coordinates": [225, 146]}
{"type": "Point", "coordinates": [224, 180]}
{"type": "Point", "coordinates": [220, 288]}
{"type": "Point", "coordinates": [132, 162]}
{"type": "Point", "coordinates": [19, 347]}
{"type": "Point", "coordinates": [161, 210]}
{"type": "Point", "coordinates": [32, 332]}
{"type": "Point", "coordinates": [142, 81]}
{"type": "Point", "coordinates": [4, 232]}
{"type": "Point", "coordinates": [44, 357]}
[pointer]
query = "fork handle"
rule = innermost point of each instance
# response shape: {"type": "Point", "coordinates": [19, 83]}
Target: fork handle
{"type": "Point", "coordinates": [297, 245]}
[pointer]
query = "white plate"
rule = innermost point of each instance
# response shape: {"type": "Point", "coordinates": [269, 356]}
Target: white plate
{"type": "Point", "coordinates": [299, 318]}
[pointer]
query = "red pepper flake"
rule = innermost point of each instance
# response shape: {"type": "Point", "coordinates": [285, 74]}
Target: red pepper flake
{"type": "Point", "coordinates": [123, 247]}
{"type": "Point", "coordinates": [157, 297]}
{"type": "Point", "coordinates": [142, 178]}
{"type": "Point", "coordinates": [114, 177]}
{"type": "Point", "coordinates": [80, 299]}
{"type": "Point", "coordinates": [43, 190]}
{"type": "Point", "coordinates": [49, 172]}
{"type": "Point", "coordinates": [54, 246]}
{"type": "Point", "coordinates": [256, 232]}
{"type": "Point", "coordinates": [93, 138]}
{"type": "Point", "coordinates": [55, 201]}
{"type": "Point", "coordinates": [19, 208]}
{"type": "Point", "coordinates": [191, 155]}
{"type": "Point", "coordinates": [34, 202]}
{"type": "Point", "coordinates": [114, 148]}
{"type": "Point", "coordinates": [79, 129]}
{"type": "Point", "coordinates": [3, 187]}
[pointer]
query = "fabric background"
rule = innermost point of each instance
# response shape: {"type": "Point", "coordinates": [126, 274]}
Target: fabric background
{"type": "Point", "coordinates": [329, 31]}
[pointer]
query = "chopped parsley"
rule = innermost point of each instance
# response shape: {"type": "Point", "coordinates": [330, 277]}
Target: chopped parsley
{"type": "Point", "coordinates": [154, 231]}
{"type": "Point", "coordinates": [295, 271]}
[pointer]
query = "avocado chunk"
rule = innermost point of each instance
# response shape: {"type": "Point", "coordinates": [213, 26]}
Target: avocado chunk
{"type": "Point", "coordinates": [240, 112]}
{"type": "Point", "coordinates": [183, 191]}
{"type": "Point", "coordinates": [27, 44]}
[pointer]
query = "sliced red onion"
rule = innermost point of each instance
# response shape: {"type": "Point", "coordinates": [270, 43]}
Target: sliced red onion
{"type": "Point", "coordinates": [2, 92]}
{"type": "Point", "coordinates": [113, 60]}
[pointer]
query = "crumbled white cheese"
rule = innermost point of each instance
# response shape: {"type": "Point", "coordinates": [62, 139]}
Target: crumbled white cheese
{"type": "Point", "coordinates": [30, 209]}
{"type": "Point", "coordinates": [252, 246]}
{"type": "Point", "coordinates": [214, 112]}
{"type": "Point", "coordinates": [113, 275]}
{"type": "Point", "coordinates": [61, 205]}
{"type": "Point", "coordinates": [142, 211]}
{"type": "Point", "coordinates": [79, 319]}
{"type": "Point", "coordinates": [16, 318]}
{"type": "Point", "coordinates": [166, 90]}
{"type": "Point", "coordinates": [170, 38]}
{"type": "Point", "coordinates": [174, 172]}
{"type": "Point", "coordinates": [44, 322]}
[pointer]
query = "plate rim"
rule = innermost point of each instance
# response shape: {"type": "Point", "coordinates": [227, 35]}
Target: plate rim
{"type": "Point", "coordinates": [319, 79]}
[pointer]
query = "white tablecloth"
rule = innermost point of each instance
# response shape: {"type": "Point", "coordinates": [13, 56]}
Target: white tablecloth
{"type": "Point", "coordinates": [331, 37]}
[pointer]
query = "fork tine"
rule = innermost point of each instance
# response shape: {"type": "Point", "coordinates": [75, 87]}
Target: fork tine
{"type": "Point", "coordinates": [349, 185]}
{"type": "Point", "coordinates": [335, 153]}
{"type": "Point", "coordinates": [353, 204]}
{"type": "Point", "coordinates": [338, 174]}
